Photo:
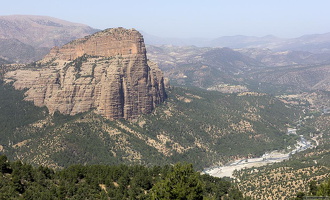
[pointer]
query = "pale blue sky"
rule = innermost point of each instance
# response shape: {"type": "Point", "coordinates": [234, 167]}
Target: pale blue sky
{"type": "Point", "coordinates": [187, 18]}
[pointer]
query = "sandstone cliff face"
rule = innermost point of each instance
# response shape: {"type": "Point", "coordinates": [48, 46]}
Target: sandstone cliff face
{"type": "Point", "coordinates": [107, 71]}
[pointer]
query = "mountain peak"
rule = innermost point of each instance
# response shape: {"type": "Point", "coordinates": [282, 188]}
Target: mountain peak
{"type": "Point", "coordinates": [107, 71]}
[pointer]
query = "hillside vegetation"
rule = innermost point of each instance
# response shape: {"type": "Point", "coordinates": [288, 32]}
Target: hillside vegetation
{"type": "Point", "coordinates": [292, 177]}
{"type": "Point", "coordinates": [260, 70]}
{"type": "Point", "coordinates": [22, 181]}
{"type": "Point", "coordinates": [202, 127]}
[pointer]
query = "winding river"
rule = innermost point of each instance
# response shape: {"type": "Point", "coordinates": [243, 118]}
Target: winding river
{"type": "Point", "coordinates": [268, 158]}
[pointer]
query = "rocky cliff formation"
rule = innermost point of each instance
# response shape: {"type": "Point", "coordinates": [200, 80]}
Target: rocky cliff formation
{"type": "Point", "coordinates": [108, 71]}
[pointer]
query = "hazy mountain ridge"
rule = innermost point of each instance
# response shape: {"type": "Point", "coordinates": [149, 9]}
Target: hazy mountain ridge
{"type": "Point", "coordinates": [271, 58]}
{"type": "Point", "coordinates": [238, 41]}
{"type": "Point", "coordinates": [13, 50]}
{"type": "Point", "coordinates": [3, 61]}
{"type": "Point", "coordinates": [26, 38]}
{"type": "Point", "coordinates": [317, 43]}
{"type": "Point", "coordinates": [201, 67]}
{"type": "Point", "coordinates": [41, 31]}
{"type": "Point", "coordinates": [208, 67]}
{"type": "Point", "coordinates": [301, 77]}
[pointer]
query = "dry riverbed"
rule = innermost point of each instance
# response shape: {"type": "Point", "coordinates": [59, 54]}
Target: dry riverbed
{"type": "Point", "coordinates": [267, 158]}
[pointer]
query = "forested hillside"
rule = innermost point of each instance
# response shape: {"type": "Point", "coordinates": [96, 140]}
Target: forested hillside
{"type": "Point", "coordinates": [23, 181]}
{"type": "Point", "coordinates": [295, 176]}
{"type": "Point", "coordinates": [197, 126]}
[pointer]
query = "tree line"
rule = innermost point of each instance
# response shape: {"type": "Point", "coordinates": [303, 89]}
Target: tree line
{"type": "Point", "coordinates": [23, 181]}
{"type": "Point", "coordinates": [321, 190]}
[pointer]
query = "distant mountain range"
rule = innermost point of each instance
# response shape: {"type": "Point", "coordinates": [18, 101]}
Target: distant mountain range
{"type": "Point", "coordinates": [27, 38]}
{"type": "Point", "coordinates": [318, 43]}
{"type": "Point", "coordinates": [207, 67]}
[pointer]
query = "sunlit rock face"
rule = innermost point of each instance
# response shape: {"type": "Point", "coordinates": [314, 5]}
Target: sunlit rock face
{"type": "Point", "coordinates": [107, 71]}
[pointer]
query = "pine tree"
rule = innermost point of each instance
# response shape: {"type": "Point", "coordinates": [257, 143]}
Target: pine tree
{"type": "Point", "coordinates": [182, 183]}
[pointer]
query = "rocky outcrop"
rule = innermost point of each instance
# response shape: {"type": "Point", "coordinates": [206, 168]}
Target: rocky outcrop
{"type": "Point", "coordinates": [108, 43]}
{"type": "Point", "coordinates": [108, 71]}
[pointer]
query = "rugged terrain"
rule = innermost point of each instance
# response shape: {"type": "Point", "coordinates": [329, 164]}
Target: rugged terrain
{"type": "Point", "coordinates": [107, 71]}
{"type": "Point", "coordinates": [256, 69]}
{"type": "Point", "coordinates": [108, 75]}
{"type": "Point", "coordinates": [297, 78]}
{"type": "Point", "coordinates": [86, 89]}
{"type": "Point", "coordinates": [284, 180]}
{"type": "Point", "coordinates": [201, 67]}
{"type": "Point", "coordinates": [192, 123]}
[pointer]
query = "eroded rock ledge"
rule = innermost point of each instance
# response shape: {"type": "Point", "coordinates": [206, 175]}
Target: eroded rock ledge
{"type": "Point", "coordinates": [107, 71]}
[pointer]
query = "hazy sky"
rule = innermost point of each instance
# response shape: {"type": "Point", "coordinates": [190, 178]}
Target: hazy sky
{"type": "Point", "coordinates": [187, 18]}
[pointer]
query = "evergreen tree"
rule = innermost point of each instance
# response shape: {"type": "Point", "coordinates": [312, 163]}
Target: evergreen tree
{"type": "Point", "coordinates": [4, 165]}
{"type": "Point", "coordinates": [324, 189]}
{"type": "Point", "coordinates": [182, 183]}
{"type": "Point", "coordinates": [313, 188]}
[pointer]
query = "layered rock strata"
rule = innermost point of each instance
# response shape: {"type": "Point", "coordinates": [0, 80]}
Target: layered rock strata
{"type": "Point", "coordinates": [107, 71]}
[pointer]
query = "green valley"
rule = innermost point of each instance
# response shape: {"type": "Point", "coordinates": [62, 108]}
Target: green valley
{"type": "Point", "coordinates": [193, 125]}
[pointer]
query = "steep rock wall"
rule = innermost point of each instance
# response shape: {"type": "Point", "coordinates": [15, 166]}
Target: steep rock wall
{"type": "Point", "coordinates": [107, 71]}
